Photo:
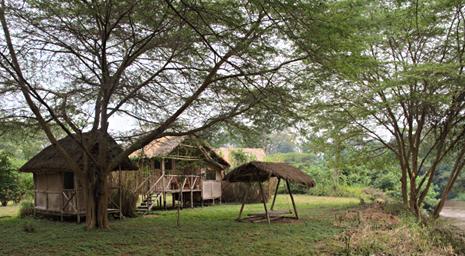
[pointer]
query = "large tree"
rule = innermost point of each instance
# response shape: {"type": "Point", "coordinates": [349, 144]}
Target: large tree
{"type": "Point", "coordinates": [170, 67]}
{"type": "Point", "coordinates": [398, 79]}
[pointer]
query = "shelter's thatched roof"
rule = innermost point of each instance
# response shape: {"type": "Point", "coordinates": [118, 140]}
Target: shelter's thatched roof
{"type": "Point", "coordinates": [51, 160]}
{"type": "Point", "coordinates": [262, 171]}
{"type": "Point", "coordinates": [164, 147]}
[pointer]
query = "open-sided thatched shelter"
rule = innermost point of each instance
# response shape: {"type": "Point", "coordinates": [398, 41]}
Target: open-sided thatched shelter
{"type": "Point", "coordinates": [259, 172]}
{"type": "Point", "coordinates": [58, 190]}
{"type": "Point", "coordinates": [232, 191]}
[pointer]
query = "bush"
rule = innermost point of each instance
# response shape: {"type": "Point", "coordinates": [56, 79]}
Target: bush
{"type": "Point", "coordinates": [26, 209]}
{"type": "Point", "coordinates": [129, 202]}
{"type": "Point", "coordinates": [29, 228]}
{"type": "Point", "coordinates": [9, 188]}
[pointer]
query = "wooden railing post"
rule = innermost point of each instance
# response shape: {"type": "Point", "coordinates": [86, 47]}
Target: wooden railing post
{"type": "Point", "coordinates": [62, 205]}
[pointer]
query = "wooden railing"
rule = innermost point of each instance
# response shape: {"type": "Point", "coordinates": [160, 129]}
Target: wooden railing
{"type": "Point", "coordinates": [64, 202]}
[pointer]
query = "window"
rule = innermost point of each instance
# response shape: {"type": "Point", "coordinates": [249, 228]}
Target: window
{"type": "Point", "coordinates": [68, 180]}
{"type": "Point", "coordinates": [157, 164]}
{"type": "Point", "coordinates": [169, 164]}
{"type": "Point", "coordinates": [211, 175]}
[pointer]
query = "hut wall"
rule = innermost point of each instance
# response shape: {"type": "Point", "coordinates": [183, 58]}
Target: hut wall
{"type": "Point", "coordinates": [211, 189]}
{"type": "Point", "coordinates": [40, 183]}
{"type": "Point", "coordinates": [49, 188]}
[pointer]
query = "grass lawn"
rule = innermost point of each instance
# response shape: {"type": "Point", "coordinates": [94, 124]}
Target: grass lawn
{"type": "Point", "coordinates": [9, 211]}
{"type": "Point", "coordinates": [203, 231]}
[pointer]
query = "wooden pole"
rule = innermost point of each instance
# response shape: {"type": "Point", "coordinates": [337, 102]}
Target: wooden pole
{"type": "Point", "coordinates": [181, 198]}
{"type": "Point", "coordinates": [292, 199]}
{"type": "Point", "coordinates": [120, 195]}
{"type": "Point", "coordinates": [76, 197]}
{"type": "Point", "coordinates": [35, 203]}
{"type": "Point", "coordinates": [264, 202]}
{"type": "Point", "coordinates": [163, 181]}
{"type": "Point", "coordinates": [77, 207]}
{"type": "Point", "coordinates": [275, 194]}
{"type": "Point", "coordinates": [192, 199]}
{"type": "Point", "coordinates": [177, 215]}
{"type": "Point", "coordinates": [34, 177]}
{"type": "Point", "coordinates": [62, 206]}
{"type": "Point", "coordinates": [243, 203]}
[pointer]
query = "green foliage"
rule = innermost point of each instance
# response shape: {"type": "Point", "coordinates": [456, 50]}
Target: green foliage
{"type": "Point", "coordinates": [9, 189]}
{"type": "Point", "coordinates": [351, 181]}
{"type": "Point", "coordinates": [26, 209]}
{"type": "Point", "coordinates": [13, 185]}
{"type": "Point", "coordinates": [240, 157]}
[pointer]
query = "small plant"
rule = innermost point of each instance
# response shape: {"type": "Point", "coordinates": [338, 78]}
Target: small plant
{"type": "Point", "coordinates": [26, 209]}
{"type": "Point", "coordinates": [28, 228]}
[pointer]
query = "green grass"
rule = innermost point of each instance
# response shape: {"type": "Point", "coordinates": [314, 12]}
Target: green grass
{"type": "Point", "coordinates": [9, 211]}
{"type": "Point", "coordinates": [203, 231]}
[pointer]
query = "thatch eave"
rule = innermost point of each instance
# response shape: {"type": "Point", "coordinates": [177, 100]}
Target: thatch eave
{"type": "Point", "coordinates": [256, 171]}
{"type": "Point", "coordinates": [51, 160]}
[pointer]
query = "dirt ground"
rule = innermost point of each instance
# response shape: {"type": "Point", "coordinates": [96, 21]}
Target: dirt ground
{"type": "Point", "coordinates": [455, 212]}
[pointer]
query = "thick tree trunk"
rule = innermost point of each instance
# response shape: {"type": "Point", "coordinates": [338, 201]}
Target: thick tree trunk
{"type": "Point", "coordinates": [413, 202]}
{"type": "Point", "coordinates": [96, 191]}
{"type": "Point", "coordinates": [101, 202]}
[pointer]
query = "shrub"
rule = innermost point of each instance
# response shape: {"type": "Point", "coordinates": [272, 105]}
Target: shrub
{"type": "Point", "coordinates": [26, 209]}
{"type": "Point", "coordinates": [129, 202]}
{"type": "Point", "coordinates": [28, 227]}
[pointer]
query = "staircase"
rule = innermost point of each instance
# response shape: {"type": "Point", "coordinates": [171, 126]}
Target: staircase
{"type": "Point", "coordinates": [152, 196]}
{"type": "Point", "coordinates": [149, 202]}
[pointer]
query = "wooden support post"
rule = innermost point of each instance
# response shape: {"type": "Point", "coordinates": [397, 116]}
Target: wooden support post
{"type": "Point", "coordinates": [62, 206]}
{"type": "Point", "coordinates": [292, 199]}
{"type": "Point", "coordinates": [35, 202]}
{"type": "Point", "coordinates": [178, 215]}
{"type": "Point", "coordinates": [201, 190]}
{"type": "Point", "coordinates": [243, 203]}
{"type": "Point", "coordinates": [192, 199]}
{"type": "Point", "coordinates": [78, 210]}
{"type": "Point", "coordinates": [76, 197]}
{"type": "Point", "coordinates": [275, 194]}
{"type": "Point", "coordinates": [163, 182]}
{"type": "Point", "coordinates": [120, 192]}
{"type": "Point", "coordinates": [264, 202]}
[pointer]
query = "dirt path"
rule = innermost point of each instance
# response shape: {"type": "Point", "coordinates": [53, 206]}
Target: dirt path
{"type": "Point", "coordinates": [455, 211]}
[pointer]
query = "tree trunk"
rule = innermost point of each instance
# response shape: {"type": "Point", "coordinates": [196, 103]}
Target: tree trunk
{"type": "Point", "coordinates": [413, 203]}
{"type": "Point", "coordinates": [96, 191]}
{"type": "Point", "coordinates": [440, 205]}
{"type": "Point", "coordinates": [403, 181]}
{"type": "Point", "coordinates": [101, 202]}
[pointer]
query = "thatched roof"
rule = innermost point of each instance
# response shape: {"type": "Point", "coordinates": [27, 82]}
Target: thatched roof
{"type": "Point", "coordinates": [51, 160]}
{"type": "Point", "coordinates": [164, 147]}
{"type": "Point", "coordinates": [262, 171]}
{"type": "Point", "coordinates": [161, 147]}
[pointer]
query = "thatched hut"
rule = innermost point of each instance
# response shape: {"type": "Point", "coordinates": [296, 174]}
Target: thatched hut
{"type": "Point", "coordinates": [185, 167]}
{"type": "Point", "coordinates": [258, 172]}
{"type": "Point", "coordinates": [57, 188]}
